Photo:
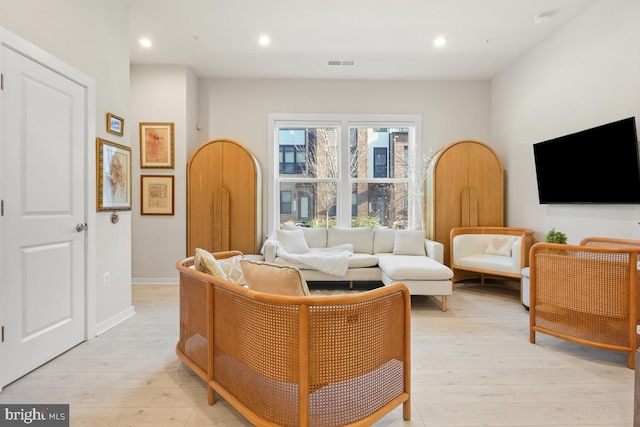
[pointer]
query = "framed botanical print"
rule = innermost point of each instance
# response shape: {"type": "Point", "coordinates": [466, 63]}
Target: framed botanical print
{"type": "Point", "coordinates": [156, 146]}
{"type": "Point", "coordinates": [156, 194]}
{"type": "Point", "coordinates": [113, 176]}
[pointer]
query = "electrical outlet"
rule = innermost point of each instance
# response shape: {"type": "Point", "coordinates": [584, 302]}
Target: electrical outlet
{"type": "Point", "coordinates": [106, 279]}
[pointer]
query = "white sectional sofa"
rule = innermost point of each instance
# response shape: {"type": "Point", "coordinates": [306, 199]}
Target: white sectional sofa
{"type": "Point", "coordinates": [362, 254]}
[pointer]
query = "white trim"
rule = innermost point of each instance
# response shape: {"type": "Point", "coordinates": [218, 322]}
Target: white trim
{"type": "Point", "coordinates": [115, 320]}
{"type": "Point", "coordinates": [155, 281]}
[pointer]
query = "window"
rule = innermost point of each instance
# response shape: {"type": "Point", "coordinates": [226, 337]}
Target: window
{"type": "Point", "coordinates": [344, 170]}
{"type": "Point", "coordinates": [380, 162]}
{"type": "Point", "coordinates": [285, 202]}
{"type": "Point", "coordinates": [295, 144]}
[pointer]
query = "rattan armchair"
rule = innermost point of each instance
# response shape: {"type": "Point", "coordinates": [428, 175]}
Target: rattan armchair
{"type": "Point", "coordinates": [297, 360]}
{"type": "Point", "coordinates": [586, 293]}
{"type": "Point", "coordinates": [469, 258]}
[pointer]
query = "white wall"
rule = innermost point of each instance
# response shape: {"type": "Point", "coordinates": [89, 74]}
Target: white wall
{"type": "Point", "coordinates": [238, 109]}
{"type": "Point", "coordinates": [585, 75]}
{"type": "Point", "coordinates": [161, 94]}
{"type": "Point", "coordinates": [91, 36]}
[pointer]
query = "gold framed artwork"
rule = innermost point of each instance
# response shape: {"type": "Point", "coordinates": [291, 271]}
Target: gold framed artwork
{"type": "Point", "coordinates": [113, 176]}
{"type": "Point", "coordinates": [156, 194]}
{"type": "Point", "coordinates": [156, 145]}
{"type": "Point", "coordinates": [115, 124]}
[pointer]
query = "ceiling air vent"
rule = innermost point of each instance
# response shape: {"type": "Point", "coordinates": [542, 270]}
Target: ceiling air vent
{"type": "Point", "coordinates": [341, 63]}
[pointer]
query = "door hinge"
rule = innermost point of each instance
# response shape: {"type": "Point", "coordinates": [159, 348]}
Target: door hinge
{"type": "Point", "coordinates": [2, 335]}
{"type": "Point", "coordinates": [1, 207]}
{"type": "Point", "coordinates": [1, 81]}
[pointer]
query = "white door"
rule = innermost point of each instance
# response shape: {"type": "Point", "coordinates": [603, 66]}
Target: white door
{"type": "Point", "coordinates": [42, 159]}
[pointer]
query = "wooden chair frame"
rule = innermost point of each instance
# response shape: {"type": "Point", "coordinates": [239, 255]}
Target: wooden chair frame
{"type": "Point", "coordinates": [461, 273]}
{"type": "Point", "coordinates": [586, 293]}
{"type": "Point", "coordinates": [281, 360]}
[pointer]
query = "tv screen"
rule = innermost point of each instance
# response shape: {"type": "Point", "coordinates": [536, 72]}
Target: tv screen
{"type": "Point", "coordinates": [597, 165]}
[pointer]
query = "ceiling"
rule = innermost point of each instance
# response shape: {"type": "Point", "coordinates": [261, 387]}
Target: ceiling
{"type": "Point", "coordinates": [386, 39]}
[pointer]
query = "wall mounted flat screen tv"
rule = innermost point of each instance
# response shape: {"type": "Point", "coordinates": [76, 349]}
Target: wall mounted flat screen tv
{"type": "Point", "coordinates": [597, 165]}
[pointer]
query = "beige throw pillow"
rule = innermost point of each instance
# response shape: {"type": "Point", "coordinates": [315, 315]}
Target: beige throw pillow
{"type": "Point", "coordinates": [205, 262]}
{"type": "Point", "coordinates": [500, 245]}
{"type": "Point", "coordinates": [274, 279]}
{"type": "Point", "coordinates": [233, 270]}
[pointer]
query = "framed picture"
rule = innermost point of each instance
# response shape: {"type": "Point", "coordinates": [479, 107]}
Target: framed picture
{"type": "Point", "coordinates": [113, 176]}
{"type": "Point", "coordinates": [156, 145]}
{"type": "Point", "coordinates": [115, 124]}
{"type": "Point", "coordinates": [156, 195]}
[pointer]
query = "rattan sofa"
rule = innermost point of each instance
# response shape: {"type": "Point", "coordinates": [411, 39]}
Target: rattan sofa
{"type": "Point", "coordinates": [586, 293]}
{"type": "Point", "coordinates": [339, 360]}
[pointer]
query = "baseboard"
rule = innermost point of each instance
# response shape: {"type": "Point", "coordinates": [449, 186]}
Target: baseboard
{"type": "Point", "coordinates": [103, 327]}
{"type": "Point", "coordinates": [155, 281]}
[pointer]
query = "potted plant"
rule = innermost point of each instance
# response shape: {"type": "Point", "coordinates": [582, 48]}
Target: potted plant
{"type": "Point", "coordinates": [554, 236]}
{"type": "Point", "coordinates": [558, 237]}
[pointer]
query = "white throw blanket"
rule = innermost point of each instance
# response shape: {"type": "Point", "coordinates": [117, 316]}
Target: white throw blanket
{"type": "Point", "coordinates": [333, 260]}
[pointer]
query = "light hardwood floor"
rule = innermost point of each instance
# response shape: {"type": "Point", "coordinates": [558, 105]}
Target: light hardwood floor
{"type": "Point", "coordinates": [472, 366]}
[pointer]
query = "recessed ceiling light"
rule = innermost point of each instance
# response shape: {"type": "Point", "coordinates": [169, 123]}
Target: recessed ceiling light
{"type": "Point", "coordinates": [440, 41]}
{"type": "Point", "coordinates": [145, 42]}
{"type": "Point", "coordinates": [264, 40]}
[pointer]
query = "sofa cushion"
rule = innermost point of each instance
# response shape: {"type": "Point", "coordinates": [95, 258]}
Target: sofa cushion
{"type": "Point", "coordinates": [205, 262]}
{"type": "Point", "coordinates": [358, 260]}
{"type": "Point", "coordinates": [409, 242]}
{"type": "Point", "coordinates": [316, 236]}
{"type": "Point", "coordinates": [500, 245]}
{"type": "Point", "coordinates": [411, 267]}
{"type": "Point", "coordinates": [383, 240]}
{"type": "Point", "coordinates": [292, 241]}
{"type": "Point", "coordinates": [488, 262]}
{"type": "Point", "coordinates": [274, 279]}
{"type": "Point", "coordinates": [360, 237]}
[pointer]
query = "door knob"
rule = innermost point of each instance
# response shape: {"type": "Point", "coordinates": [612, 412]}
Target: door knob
{"type": "Point", "coordinates": [81, 227]}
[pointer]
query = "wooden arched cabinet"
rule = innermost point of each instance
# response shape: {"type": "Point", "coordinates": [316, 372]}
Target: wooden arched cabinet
{"type": "Point", "coordinates": [224, 193]}
{"type": "Point", "coordinates": [464, 187]}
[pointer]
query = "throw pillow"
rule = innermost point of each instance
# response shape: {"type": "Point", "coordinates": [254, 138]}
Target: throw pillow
{"type": "Point", "coordinates": [409, 242]}
{"type": "Point", "coordinates": [232, 268]}
{"type": "Point", "coordinates": [316, 237]}
{"type": "Point", "coordinates": [205, 262]}
{"type": "Point", "coordinates": [274, 279]}
{"type": "Point", "coordinates": [383, 240]}
{"type": "Point", "coordinates": [292, 241]}
{"type": "Point", "coordinates": [500, 245]}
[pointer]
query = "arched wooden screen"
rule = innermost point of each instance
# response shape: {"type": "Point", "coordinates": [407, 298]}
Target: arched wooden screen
{"type": "Point", "coordinates": [223, 198]}
{"type": "Point", "coordinates": [465, 187]}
